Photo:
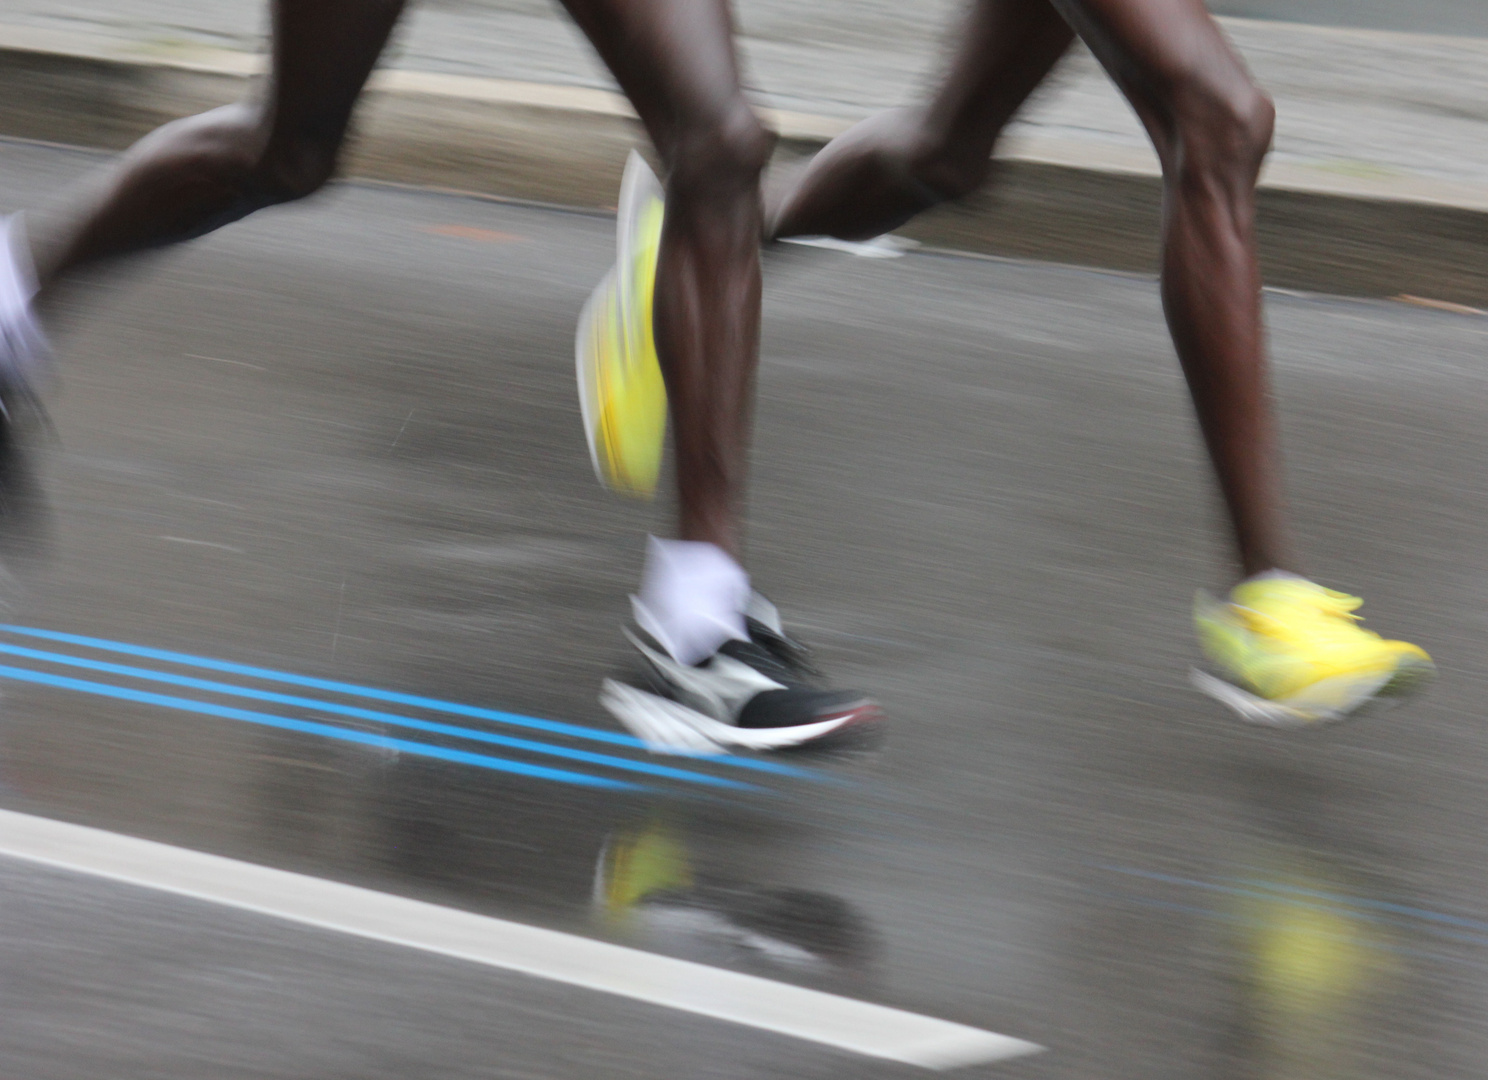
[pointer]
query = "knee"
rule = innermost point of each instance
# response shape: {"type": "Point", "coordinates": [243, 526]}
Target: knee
{"type": "Point", "coordinates": [1224, 129]}
{"type": "Point", "coordinates": [720, 156]}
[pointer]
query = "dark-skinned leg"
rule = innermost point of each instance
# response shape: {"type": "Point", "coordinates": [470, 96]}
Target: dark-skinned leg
{"type": "Point", "coordinates": [1211, 126]}
{"type": "Point", "coordinates": [675, 60]}
{"type": "Point", "coordinates": [1286, 651]}
{"type": "Point", "coordinates": [715, 651]}
{"type": "Point", "coordinates": [196, 174]}
{"type": "Point", "coordinates": [885, 170]}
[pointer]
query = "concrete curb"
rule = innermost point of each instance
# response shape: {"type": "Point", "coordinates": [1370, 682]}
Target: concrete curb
{"type": "Point", "coordinates": [1058, 200]}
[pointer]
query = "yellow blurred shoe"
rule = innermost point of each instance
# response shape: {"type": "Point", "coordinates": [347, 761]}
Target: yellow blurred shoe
{"type": "Point", "coordinates": [635, 865]}
{"type": "Point", "coordinates": [1291, 653]}
{"type": "Point", "coordinates": [621, 391]}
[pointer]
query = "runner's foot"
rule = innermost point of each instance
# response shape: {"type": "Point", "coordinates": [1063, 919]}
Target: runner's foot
{"type": "Point", "coordinates": [760, 693]}
{"type": "Point", "coordinates": [1290, 653]}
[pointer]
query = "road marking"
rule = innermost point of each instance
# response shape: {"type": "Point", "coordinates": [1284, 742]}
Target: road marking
{"type": "Point", "coordinates": [1280, 891]}
{"type": "Point", "coordinates": [223, 360]}
{"type": "Point", "coordinates": [1440, 305]}
{"type": "Point", "coordinates": [403, 428]}
{"type": "Point", "coordinates": [855, 1026]}
{"type": "Point", "coordinates": [554, 727]}
{"type": "Point", "coordinates": [335, 708]}
{"type": "Point", "coordinates": [202, 543]}
{"type": "Point", "coordinates": [306, 727]}
{"type": "Point", "coordinates": [470, 232]}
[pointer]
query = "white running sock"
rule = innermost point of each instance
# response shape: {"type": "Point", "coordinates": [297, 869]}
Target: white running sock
{"type": "Point", "coordinates": [692, 598]}
{"type": "Point", "coordinates": [23, 345]}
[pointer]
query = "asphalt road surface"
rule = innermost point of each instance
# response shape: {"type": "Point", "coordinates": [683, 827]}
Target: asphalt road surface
{"type": "Point", "coordinates": [340, 441]}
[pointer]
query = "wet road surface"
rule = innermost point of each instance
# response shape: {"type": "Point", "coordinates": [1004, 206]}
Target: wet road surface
{"type": "Point", "coordinates": [334, 455]}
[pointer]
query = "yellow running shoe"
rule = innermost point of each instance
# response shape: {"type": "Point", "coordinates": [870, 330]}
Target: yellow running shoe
{"type": "Point", "coordinates": [1292, 653]}
{"type": "Point", "coordinates": [621, 391]}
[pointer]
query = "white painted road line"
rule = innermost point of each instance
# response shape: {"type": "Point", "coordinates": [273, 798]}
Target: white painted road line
{"type": "Point", "coordinates": [856, 1026]}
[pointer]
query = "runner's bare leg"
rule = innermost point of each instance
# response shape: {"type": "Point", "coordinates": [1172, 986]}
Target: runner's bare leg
{"type": "Point", "coordinates": [888, 168]}
{"type": "Point", "coordinates": [197, 174]}
{"type": "Point", "coordinates": [1211, 126]}
{"type": "Point", "coordinates": [674, 58]}
{"type": "Point", "coordinates": [675, 61]}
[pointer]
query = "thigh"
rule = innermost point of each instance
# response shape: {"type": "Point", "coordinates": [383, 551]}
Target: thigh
{"type": "Point", "coordinates": [322, 53]}
{"type": "Point", "coordinates": [1004, 49]}
{"type": "Point", "coordinates": [674, 59]}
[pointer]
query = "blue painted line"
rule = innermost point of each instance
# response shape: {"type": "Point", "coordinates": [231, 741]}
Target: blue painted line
{"type": "Point", "coordinates": [475, 735]}
{"type": "Point", "coordinates": [484, 761]}
{"type": "Point", "coordinates": [1265, 924]}
{"type": "Point", "coordinates": [1425, 914]}
{"type": "Point", "coordinates": [1359, 907]}
{"type": "Point", "coordinates": [556, 727]}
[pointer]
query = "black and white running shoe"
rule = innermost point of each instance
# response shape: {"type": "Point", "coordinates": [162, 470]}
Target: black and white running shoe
{"type": "Point", "coordinates": [760, 694]}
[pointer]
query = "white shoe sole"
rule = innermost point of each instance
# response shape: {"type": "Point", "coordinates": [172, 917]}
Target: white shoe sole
{"type": "Point", "coordinates": [1293, 712]}
{"type": "Point", "coordinates": [667, 727]}
{"type": "Point", "coordinates": [588, 389]}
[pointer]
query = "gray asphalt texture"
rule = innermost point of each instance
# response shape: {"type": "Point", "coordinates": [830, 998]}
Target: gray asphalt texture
{"type": "Point", "coordinates": [341, 439]}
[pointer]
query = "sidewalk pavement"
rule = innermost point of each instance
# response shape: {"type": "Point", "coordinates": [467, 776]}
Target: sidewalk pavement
{"type": "Point", "coordinates": [1378, 183]}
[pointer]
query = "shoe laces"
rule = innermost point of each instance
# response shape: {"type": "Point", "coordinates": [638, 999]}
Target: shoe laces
{"type": "Point", "coordinates": [781, 645]}
{"type": "Point", "coordinates": [771, 654]}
